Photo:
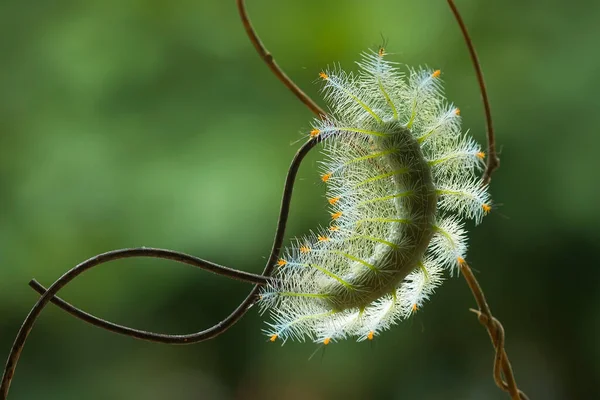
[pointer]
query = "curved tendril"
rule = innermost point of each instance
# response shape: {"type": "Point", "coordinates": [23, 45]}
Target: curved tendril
{"type": "Point", "coordinates": [246, 277]}
{"type": "Point", "coordinates": [206, 334]}
{"type": "Point", "coordinates": [277, 71]}
{"type": "Point", "coordinates": [493, 162]}
{"type": "Point", "coordinates": [99, 259]}
{"type": "Point", "coordinates": [154, 253]}
{"type": "Point", "coordinates": [101, 323]}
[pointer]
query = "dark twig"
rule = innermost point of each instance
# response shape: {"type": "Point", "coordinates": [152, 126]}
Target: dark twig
{"type": "Point", "coordinates": [268, 59]}
{"type": "Point", "coordinates": [503, 373]}
{"type": "Point", "coordinates": [495, 329]}
{"type": "Point", "coordinates": [241, 309]}
{"type": "Point", "coordinates": [168, 339]}
{"type": "Point", "coordinates": [209, 333]}
{"type": "Point", "coordinates": [99, 322]}
{"type": "Point", "coordinates": [150, 253]}
{"type": "Point", "coordinates": [101, 259]}
{"type": "Point", "coordinates": [493, 162]}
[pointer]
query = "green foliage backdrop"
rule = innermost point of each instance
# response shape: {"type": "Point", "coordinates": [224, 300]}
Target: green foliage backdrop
{"type": "Point", "coordinates": [147, 122]}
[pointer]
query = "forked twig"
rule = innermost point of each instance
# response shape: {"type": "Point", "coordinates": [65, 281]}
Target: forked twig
{"type": "Point", "coordinates": [268, 59]}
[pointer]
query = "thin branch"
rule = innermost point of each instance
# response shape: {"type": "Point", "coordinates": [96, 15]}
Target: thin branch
{"type": "Point", "coordinates": [100, 259]}
{"type": "Point", "coordinates": [99, 322]}
{"type": "Point", "coordinates": [206, 334]}
{"type": "Point", "coordinates": [168, 339]}
{"type": "Point", "coordinates": [493, 162]}
{"type": "Point", "coordinates": [19, 342]}
{"type": "Point", "coordinates": [503, 373]}
{"type": "Point", "coordinates": [268, 59]}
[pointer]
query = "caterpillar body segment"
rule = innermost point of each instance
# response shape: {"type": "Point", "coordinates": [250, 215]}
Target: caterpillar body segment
{"type": "Point", "coordinates": [400, 178]}
{"type": "Point", "coordinates": [388, 208]}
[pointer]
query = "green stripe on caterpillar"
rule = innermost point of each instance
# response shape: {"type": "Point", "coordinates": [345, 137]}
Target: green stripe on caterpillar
{"type": "Point", "coordinates": [400, 179]}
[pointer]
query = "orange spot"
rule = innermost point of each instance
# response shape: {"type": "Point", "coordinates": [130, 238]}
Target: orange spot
{"type": "Point", "coordinates": [315, 132]}
{"type": "Point", "coordinates": [461, 261]}
{"type": "Point", "coordinates": [304, 249]}
{"type": "Point", "coordinates": [370, 335]}
{"type": "Point", "coordinates": [457, 111]}
{"type": "Point", "coordinates": [323, 238]}
{"type": "Point", "coordinates": [333, 200]}
{"type": "Point", "coordinates": [436, 73]}
{"type": "Point", "coordinates": [326, 177]}
{"type": "Point", "coordinates": [281, 262]}
{"type": "Point", "coordinates": [486, 208]}
{"type": "Point", "coordinates": [326, 341]}
{"type": "Point", "coordinates": [336, 215]}
{"type": "Point", "coordinates": [480, 155]}
{"type": "Point", "coordinates": [334, 228]}
{"type": "Point", "coordinates": [323, 75]}
{"type": "Point", "coordinates": [414, 308]}
{"type": "Point", "coordinates": [273, 337]}
{"type": "Point", "coordinates": [381, 52]}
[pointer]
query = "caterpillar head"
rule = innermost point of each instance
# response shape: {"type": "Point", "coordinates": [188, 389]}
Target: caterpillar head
{"type": "Point", "coordinates": [401, 179]}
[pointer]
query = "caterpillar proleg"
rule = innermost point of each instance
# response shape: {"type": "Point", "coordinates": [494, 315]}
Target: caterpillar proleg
{"type": "Point", "coordinates": [401, 178]}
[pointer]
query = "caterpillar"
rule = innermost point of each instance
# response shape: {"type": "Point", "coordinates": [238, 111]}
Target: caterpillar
{"type": "Point", "coordinates": [401, 179]}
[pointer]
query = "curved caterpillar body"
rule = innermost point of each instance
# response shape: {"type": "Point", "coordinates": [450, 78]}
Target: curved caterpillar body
{"type": "Point", "coordinates": [400, 177]}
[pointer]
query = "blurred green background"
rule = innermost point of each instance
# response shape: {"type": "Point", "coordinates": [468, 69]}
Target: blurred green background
{"type": "Point", "coordinates": [129, 123]}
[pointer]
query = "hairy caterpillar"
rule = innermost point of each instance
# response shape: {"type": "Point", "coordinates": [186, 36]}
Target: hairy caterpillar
{"type": "Point", "coordinates": [400, 179]}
